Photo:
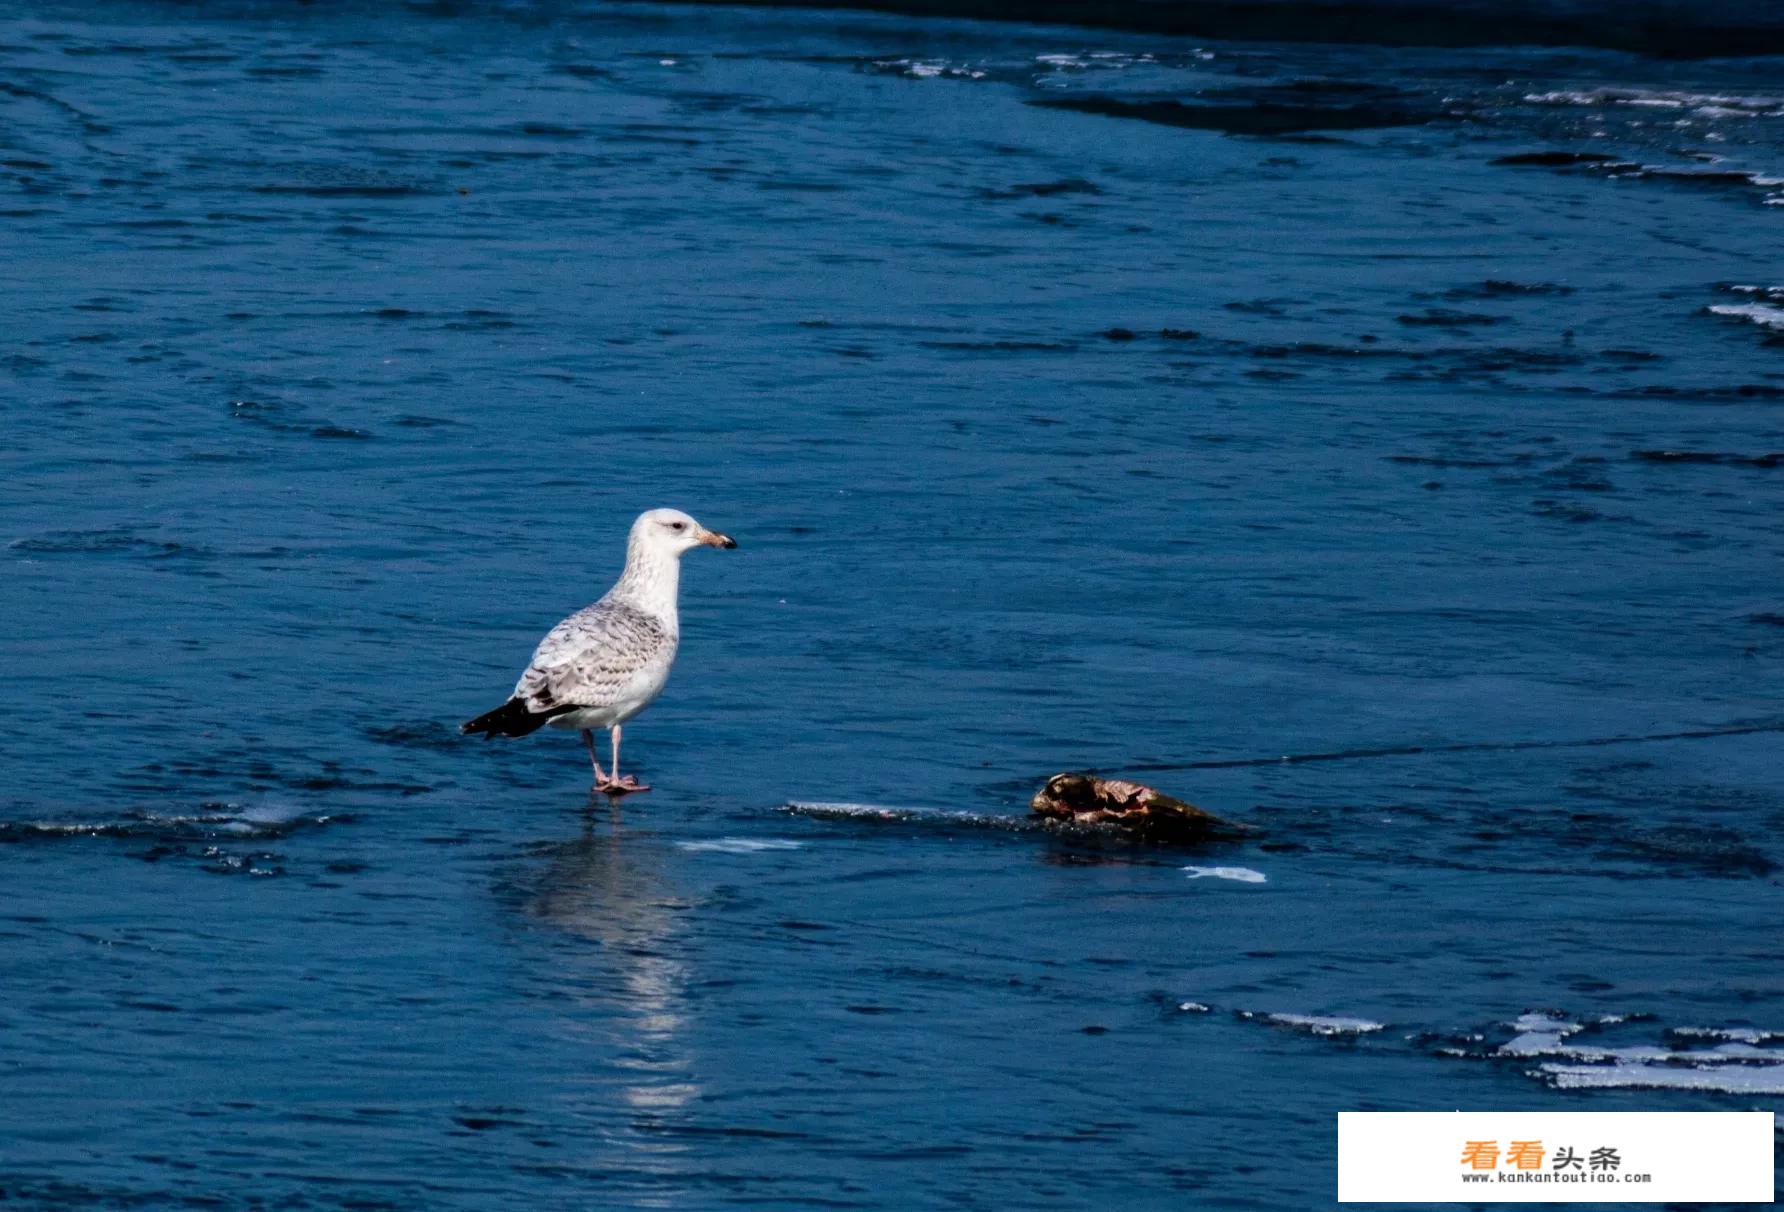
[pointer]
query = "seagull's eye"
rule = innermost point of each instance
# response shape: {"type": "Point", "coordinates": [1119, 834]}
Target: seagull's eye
{"type": "Point", "coordinates": [678, 526]}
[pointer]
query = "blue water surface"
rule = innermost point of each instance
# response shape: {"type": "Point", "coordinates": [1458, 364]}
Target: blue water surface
{"type": "Point", "coordinates": [1080, 400]}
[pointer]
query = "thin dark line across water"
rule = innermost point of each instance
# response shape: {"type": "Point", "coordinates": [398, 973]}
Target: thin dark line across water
{"type": "Point", "coordinates": [1344, 755]}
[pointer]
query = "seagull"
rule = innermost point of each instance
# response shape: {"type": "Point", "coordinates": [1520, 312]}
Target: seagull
{"type": "Point", "coordinates": [607, 662]}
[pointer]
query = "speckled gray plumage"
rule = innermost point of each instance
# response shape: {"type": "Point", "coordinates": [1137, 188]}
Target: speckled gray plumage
{"type": "Point", "coordinates": [609, 656]}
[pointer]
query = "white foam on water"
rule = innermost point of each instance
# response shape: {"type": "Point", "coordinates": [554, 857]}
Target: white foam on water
{"type": "Point", "coordinates": [1243, 875]}
{"type": "Point", "coordinates": [739, 845]}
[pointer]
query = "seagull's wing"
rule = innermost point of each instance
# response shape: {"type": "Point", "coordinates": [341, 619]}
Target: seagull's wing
{"type": "Point", "coordinates": [593, 657]}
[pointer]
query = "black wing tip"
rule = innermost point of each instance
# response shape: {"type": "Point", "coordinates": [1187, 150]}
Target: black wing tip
{"type": "Point", "coordinates": [512, 718]}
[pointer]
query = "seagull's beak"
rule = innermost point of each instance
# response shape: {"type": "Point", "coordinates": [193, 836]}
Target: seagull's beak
{"type": "Point", "coordinates": [712, 538]}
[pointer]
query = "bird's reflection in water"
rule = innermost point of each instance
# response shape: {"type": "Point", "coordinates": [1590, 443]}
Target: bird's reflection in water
{"type": "Point", "coordinates": [607, 887]}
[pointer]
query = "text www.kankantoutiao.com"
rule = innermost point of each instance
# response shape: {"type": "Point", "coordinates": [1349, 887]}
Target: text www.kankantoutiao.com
{"type": "Point", "coordinates": [1514, 1176]}
{"type": "Point", "coordinates": [1521, 1162]}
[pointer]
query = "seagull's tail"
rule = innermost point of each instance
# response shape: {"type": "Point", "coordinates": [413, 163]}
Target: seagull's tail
{"type": "Point", "coordinates": [510, 719]}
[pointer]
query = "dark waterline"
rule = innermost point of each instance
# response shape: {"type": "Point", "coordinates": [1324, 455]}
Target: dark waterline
{"type": "Point", "coordinates": [1669, 28]}
{"type": "Point", "coordinates": [1080, 400]}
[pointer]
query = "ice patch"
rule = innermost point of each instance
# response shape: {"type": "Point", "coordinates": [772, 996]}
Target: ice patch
{"type": "Point", "coordinates": [1629, 1075]}
{"type": "Point", "coordinates": [1546, 1035]}
{"type": "Point", "coordinates": [269, 819]}
{"type": "Point", "coordinates": [1740, 1035]}
{"type": "Point", "coordinates": [1243, 875]}
{"type": "Point", "coordinates": [1108, 60]}
{"type": "Point", "coordinates": [1735, 1065]}
{"type": "Point", "coordinates": [1640, 98]}
{"type": "Point", "coordinates": [739, 845]}
{"type": "Point", "coordinates": [271, 812]}
{"type": "Point", "coordinates": [840, 808]}
{"type": "Point", "coordinates": [825, 810]}
{"type": "Point", "coordinates": [1538, 1034]}
{"type": "Point", "coordinates": [1764, 294]}
{"type": "Point", "coordinates": [1738, 1063]}
{"type": "Point", "coordinates": [1763, 314]}
{"type": "Point", "coordinates": [926, 69]}
{"type": "Point", "coordinates": [1317, 1024]}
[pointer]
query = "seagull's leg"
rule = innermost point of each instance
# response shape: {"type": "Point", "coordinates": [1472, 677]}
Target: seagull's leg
{"type": "Point", "coordinates": [588, 738]}
{"type": "Point", "coordinates": [616, 784]}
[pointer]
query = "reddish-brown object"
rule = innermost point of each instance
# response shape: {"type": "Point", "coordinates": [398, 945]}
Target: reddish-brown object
{"type": "Point", "coordinates": [1132, 808]}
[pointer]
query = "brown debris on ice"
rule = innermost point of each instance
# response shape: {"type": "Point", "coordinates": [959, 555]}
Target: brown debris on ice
{"type": "Point", "coordinates": [1133, 808]}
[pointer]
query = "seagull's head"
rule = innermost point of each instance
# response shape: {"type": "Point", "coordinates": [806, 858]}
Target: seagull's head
{"type": "Point", "coordinates": [671, 532]}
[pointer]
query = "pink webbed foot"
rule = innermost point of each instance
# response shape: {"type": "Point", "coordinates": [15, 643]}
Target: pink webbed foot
{"type": "Point", "coordinates": [621, 786]}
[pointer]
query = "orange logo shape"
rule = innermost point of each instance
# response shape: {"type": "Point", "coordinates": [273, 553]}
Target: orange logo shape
{"type": "Point", "coordinates": [1524, 1154]}
{"type": "Point", "coordinates": [1481, 1154]}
